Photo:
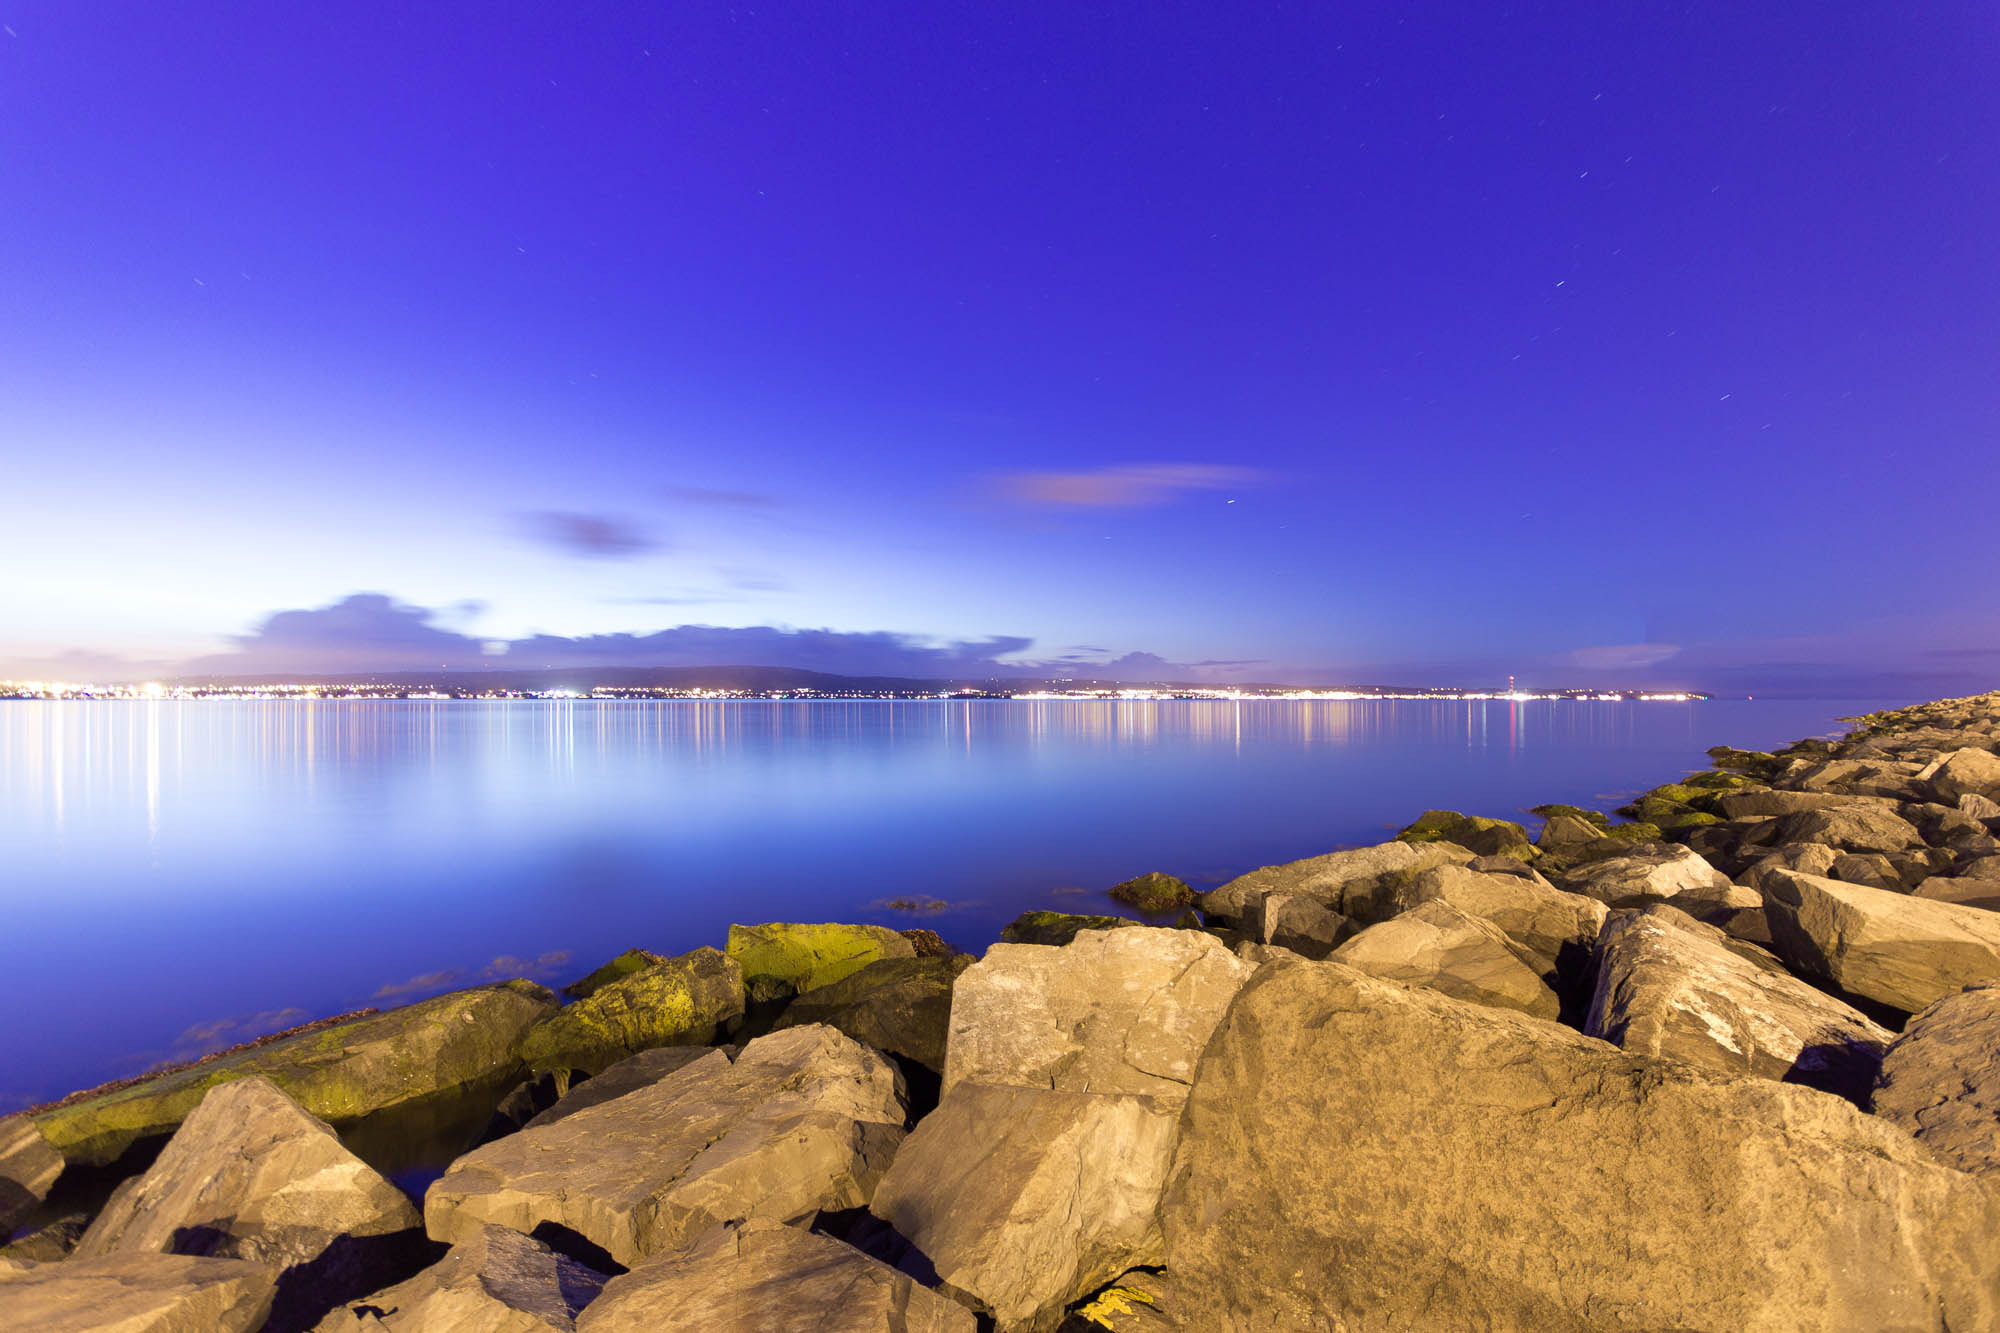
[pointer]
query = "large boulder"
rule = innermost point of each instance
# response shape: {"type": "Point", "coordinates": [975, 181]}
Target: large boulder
{"type": "Point", "coordinates": [1853, 828]}
{"type": "Point", "coordinates": [1155, 891]}
{"type": "Point", "coordinates": [1558, 928]}
{"type": "Point", "coordinates": [28, 1170]}
{"type": "Point", "coordinates": [1114, 1011]}
{"type": "Point", "coordinates": [1982, 893]}
{"type": "Point", "coordinates": [1966, 772]}
{"type": "Point", "coordinates": [1347, 883]}
{"type": "Point", "coordinates": [1661, 872]}
{"type": "Point", "coordinates": [495, 1281]}
{"type": "Point", "coordinates": [249, 1175]}
{"type": "Point", "coordinates": [683, 1001]}
{"type": "Point", "coordinates": [628, 1075]}
{"type": "Point", "coordinates": [137, 1293]}
{"type": "Point", "coordinates": [1941, 1079]}
{"type": "Point", "coordinates": [1361, 1155]}
{"type": "Point", "coordinates": [1293, 921]}
{"type": "Point", "coordinates": [1669, 986]}
{"type": "Point", "coordinates": [1765, 803]}
{"type": "Point", "coordinates": [1892, 948]}
{"type": "Point", "coordinates": [761, 1275]}
{"type": "Point", "coordinates": [803, 1120]}
{"type": "Point", "coordinates": [468, 1038]}
{"type": "Point", "coordinates": [1435, 944]}
{"type": "Point", "coordinates": [1026, 1199]}
{"type": "Point", "coordinates": [1476, 833]}
{"type": "Point", "coordinates": [898, 1005]}
{"type": "Point", "coordinates": [781, 958]}
{"type": "Point", "coordinates": [624, 965]}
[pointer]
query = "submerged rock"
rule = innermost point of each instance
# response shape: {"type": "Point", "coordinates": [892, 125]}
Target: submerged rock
{"type": "Point", "coordinates": [898, 1005]}
{"type": "Point", "coordinates": [1668, 986]}
{"type": "Point", "coordinates": [1436, 945]}
{"type": "Point", "coordinates": [683, 1001]}
{"type": "Point", "coordinates": [761, 1275]}
{"type": "Point", "coordinates": [780, 958]}
{"type": "Point", "coordinates": [1941, 1079]}
{"type": "Point", "coordinates": [337, 1074]}
{"type": "Point", "coordinates": [1154, 892]}
{"type": "Point", "coordinates": [249, 1175]}
{"type": "Point", "coordinates": [1026, 1199]}
{"type": "Point", "coordinates": [1892, 948]}
{"type": "Point", "coordinates": [494, 1281]}
{"type": "Point", "coordinates": [144, 1293]}
{"type": "Point", "coordinates": [1357, 1154]}
{"type": "Point", "coordinates": [1057, 928]}
{"type": "Point", "coordinates": [805, 1119]}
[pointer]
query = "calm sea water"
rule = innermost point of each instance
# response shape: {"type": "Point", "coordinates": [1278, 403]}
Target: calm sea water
{"type": "Point", "coordinates": [175, 877]}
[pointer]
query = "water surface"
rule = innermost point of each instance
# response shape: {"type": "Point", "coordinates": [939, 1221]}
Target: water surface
{"type": "Point", "coordinates": [178, 876]}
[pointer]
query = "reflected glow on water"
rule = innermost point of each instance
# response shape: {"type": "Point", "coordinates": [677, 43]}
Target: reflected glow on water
{"type": "Point", "coordinates": [177, 875]}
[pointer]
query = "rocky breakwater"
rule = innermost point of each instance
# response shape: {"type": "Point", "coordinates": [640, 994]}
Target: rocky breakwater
{"type": "Point", "coordinates": [1726, 1064]}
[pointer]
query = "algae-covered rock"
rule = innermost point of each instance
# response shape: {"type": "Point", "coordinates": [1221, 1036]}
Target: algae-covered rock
{"type": "Point", "coordinates": [1558, 810]}
{"type": "Point", "coordinates": [682, 1001]}
{"type": "Point", "coordinates": [1475, 833]}
{"type": "Point", "coordinates": [1154, 892]}
{"type": "Point", "coordinates": [783, 957]}
{"type": "Point", "coordinates": [1056, 927]}
{"type": "Point", "coordinates": [1755, 762]}
{"type": "Point", "coordinates": [624, 965]}
{"type": "Point", "coordinates": [337, 1073]}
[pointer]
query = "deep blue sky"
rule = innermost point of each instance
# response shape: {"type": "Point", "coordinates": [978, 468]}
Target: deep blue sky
{"type": "Point", "coordinates": [1635, 342]}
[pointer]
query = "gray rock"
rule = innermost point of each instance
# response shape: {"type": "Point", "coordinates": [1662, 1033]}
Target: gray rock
{"type": "Point", "coordinates": [495, 1281]}
{"type": "Point", "coordinates": [1360, 1155]}
{"type": "Point", "coordinates": [1436, 945]}
{"type": "Point", "coordinates": [249, 1175]}
{"type": "Point", "coordinates": [137, 1293]}
{"type": "Point", "coordinates": [1981, 893]}
{"type": "Point", "coordinates": [1567, 831]}
{"type": "Point", "coordinates": [1026, 1199]}
{"type": "Point", "coordinates": [1764, 803]}
{"type": "Point", "coordinates": [898, 1005]}
{"type": "Point", "coordinates": [1983, 808]}
{"type": "Point", "coordinates": [1808, 858]}
{"type": "Point", "coordinates": [46, 1245]}
{"type": "Point", "coordinates": [1892, 948]}
{"type": "Point", "coordinates": [1941, 1079]}
{"type": "Point", "coordinates": [805, 1119]}
{"type": "Point", "coordinates": [1114, 1011]}
{"type": "Point", "coordinates": [628, 1075]}
{"type": "Point", "coordinates": [1870, 868]}
{"type": "Point", "coordinates": [1665, 872]}
{"type": "Point", "coordinates": [1300, 924]}
{"type": "Point", "coordinates": [684, 1001]}
{"type": "Point", "coordinates": [28, 1170]}
{"type": "Point", "coordinates": [1670, 987]}
{"type": "Point", "coordinates": [1974, 771]}
{"type": "Point", "coordinates": [1854, 828]}
{"type": "Point", "coordinates": [761, 1275]}
{"type": "Point", "coordinates": [1557, 928]}
{"type": "Point", "coordinates": [1347, 883]}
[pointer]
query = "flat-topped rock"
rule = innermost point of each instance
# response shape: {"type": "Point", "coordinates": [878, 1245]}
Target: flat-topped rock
{"type": "Point", "coordinates": [1892, 948]}
{"type": "Point", "coordinates": [337, 1074]}
{"type": "Point", "coordinates": [495, 1281]}
{"type": "Point", "coordinates": [1113, 1011]}
{"type": "Point", "coordinates": [760, 1275]}
{"type": "Point", "coordinates": [1555, 926]}
{"type": "Point", "coordinates": [139, 1293]}
{"type": "Point", "coordinates": [898, 1005]}
{"type": "Point", "coordinates": [684, 1001]}
{"type": "Point", "coordinates": [784, 957]}
{"type": "Point", "coordinates": [1767, 803]}
{"type": "Point", "coordinates": [628, 1075]}
{"type": "Point", "coordinates": [1671, 987]}
{"type": "Point", "coordinates": [1981, 893]}
{"type": "Point", "coordinates": [1941, 1079]}
{"type": "Point", "coordinates": [1344, 882]}
{"type": "Point", "coordinates": [249, 1175]}
{"type": "Point", "coordinates": [28, 1170]}
{"type": "Point", "coordinates": [1662, 872]}
{"type": "Point", "coordinates": [1853, 827]}
{"type": "Point", "coordinates": [1362, 1155]}
{"type": "Point", "coordinates": [1026, 1199]}
{"type": "Point", "coordinates": [803, 1120]}
{"type": "Point", "coordinates": [1434, 944]}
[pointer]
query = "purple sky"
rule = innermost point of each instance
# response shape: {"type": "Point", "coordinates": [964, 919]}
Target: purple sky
{"type": "Point", "coordinates": [1598, 344]}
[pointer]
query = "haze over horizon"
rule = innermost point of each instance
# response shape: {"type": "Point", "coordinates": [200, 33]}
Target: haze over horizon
{"type": "Point", "coordinates": [1646, 346]}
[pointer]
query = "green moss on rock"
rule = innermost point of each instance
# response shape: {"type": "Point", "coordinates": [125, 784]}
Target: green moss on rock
{"type": "Point", "coordinates": [681, 1001]}
{"type": "Point", "coordinates": [1154, 892]}
{"type": "Point", "coordinates": [624, 965]}
{"type": "Point", "coordinates": [1636, 832]}
{"type": "Point", "coordinates": [339, 1073]}
{"type": "Point", "coordinates": [1597, 817]}
{"type": "Point", "coordinates": [782, 957]}
{"type": "Point", "coordinates": [1475, 833]}
{"type": "Point", "coordinates": [1057, 927]}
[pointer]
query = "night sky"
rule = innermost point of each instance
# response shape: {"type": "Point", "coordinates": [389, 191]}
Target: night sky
{"type": "Point", "coordinates": [1598, 343]}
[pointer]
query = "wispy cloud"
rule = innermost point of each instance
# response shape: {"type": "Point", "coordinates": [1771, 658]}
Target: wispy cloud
{"type": "Point", "coordinates": [595, 536]}
{"type": "Point", "coordinates": [701, 495]}
{"type": "Point", "coordinates": [1621, 656]}
{"type": "Point", "coordinates": [1130, 486]}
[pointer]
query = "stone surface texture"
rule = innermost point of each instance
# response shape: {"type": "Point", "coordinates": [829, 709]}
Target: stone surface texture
{"type": "Point", "coordinates": [1346, 882]}
{"type": "Point", "coordinates": [805, 1119]}
{"type": "Point", "coordinates": [1357, 1155]}
{"type": "Point", "coordinates": [1552, 925]}
{"type": "Point", "coordinates": [1436, 945]}
{"type": "Point", "coordinates": [1941, 1079]}
{"type": "Point", "coordinates": [1892, 948]}
{"type": "Point", "coordinates": [898, 1005]}
{"type": "Point", "coordinates": [1662, 872]}
{"type": "Point", "coordinates": [805, 956]}
{"type": "Point", "coordinates": [628, 1075]}
{"type": "Point", "coordinates": [137, 1293]}
{"type": "Point", "coordinates": [684, 1001]}
{"type": "Point", "coordinates": [1669, 986]}
{"type": "Point", "coordinates": [1113, 1011]}
{"type": "Point", "coordinates": [1027, 1199]}
{"type": "Point", "coordinates": [28, 1170]}
{"type": "Point", "coordinates": [495, 1281]}
{"type": "Point", "coordinates": [761, 1277]}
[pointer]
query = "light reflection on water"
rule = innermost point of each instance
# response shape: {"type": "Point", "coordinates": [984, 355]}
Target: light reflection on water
{"type": "Point", "coordinates": [176, 874]}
